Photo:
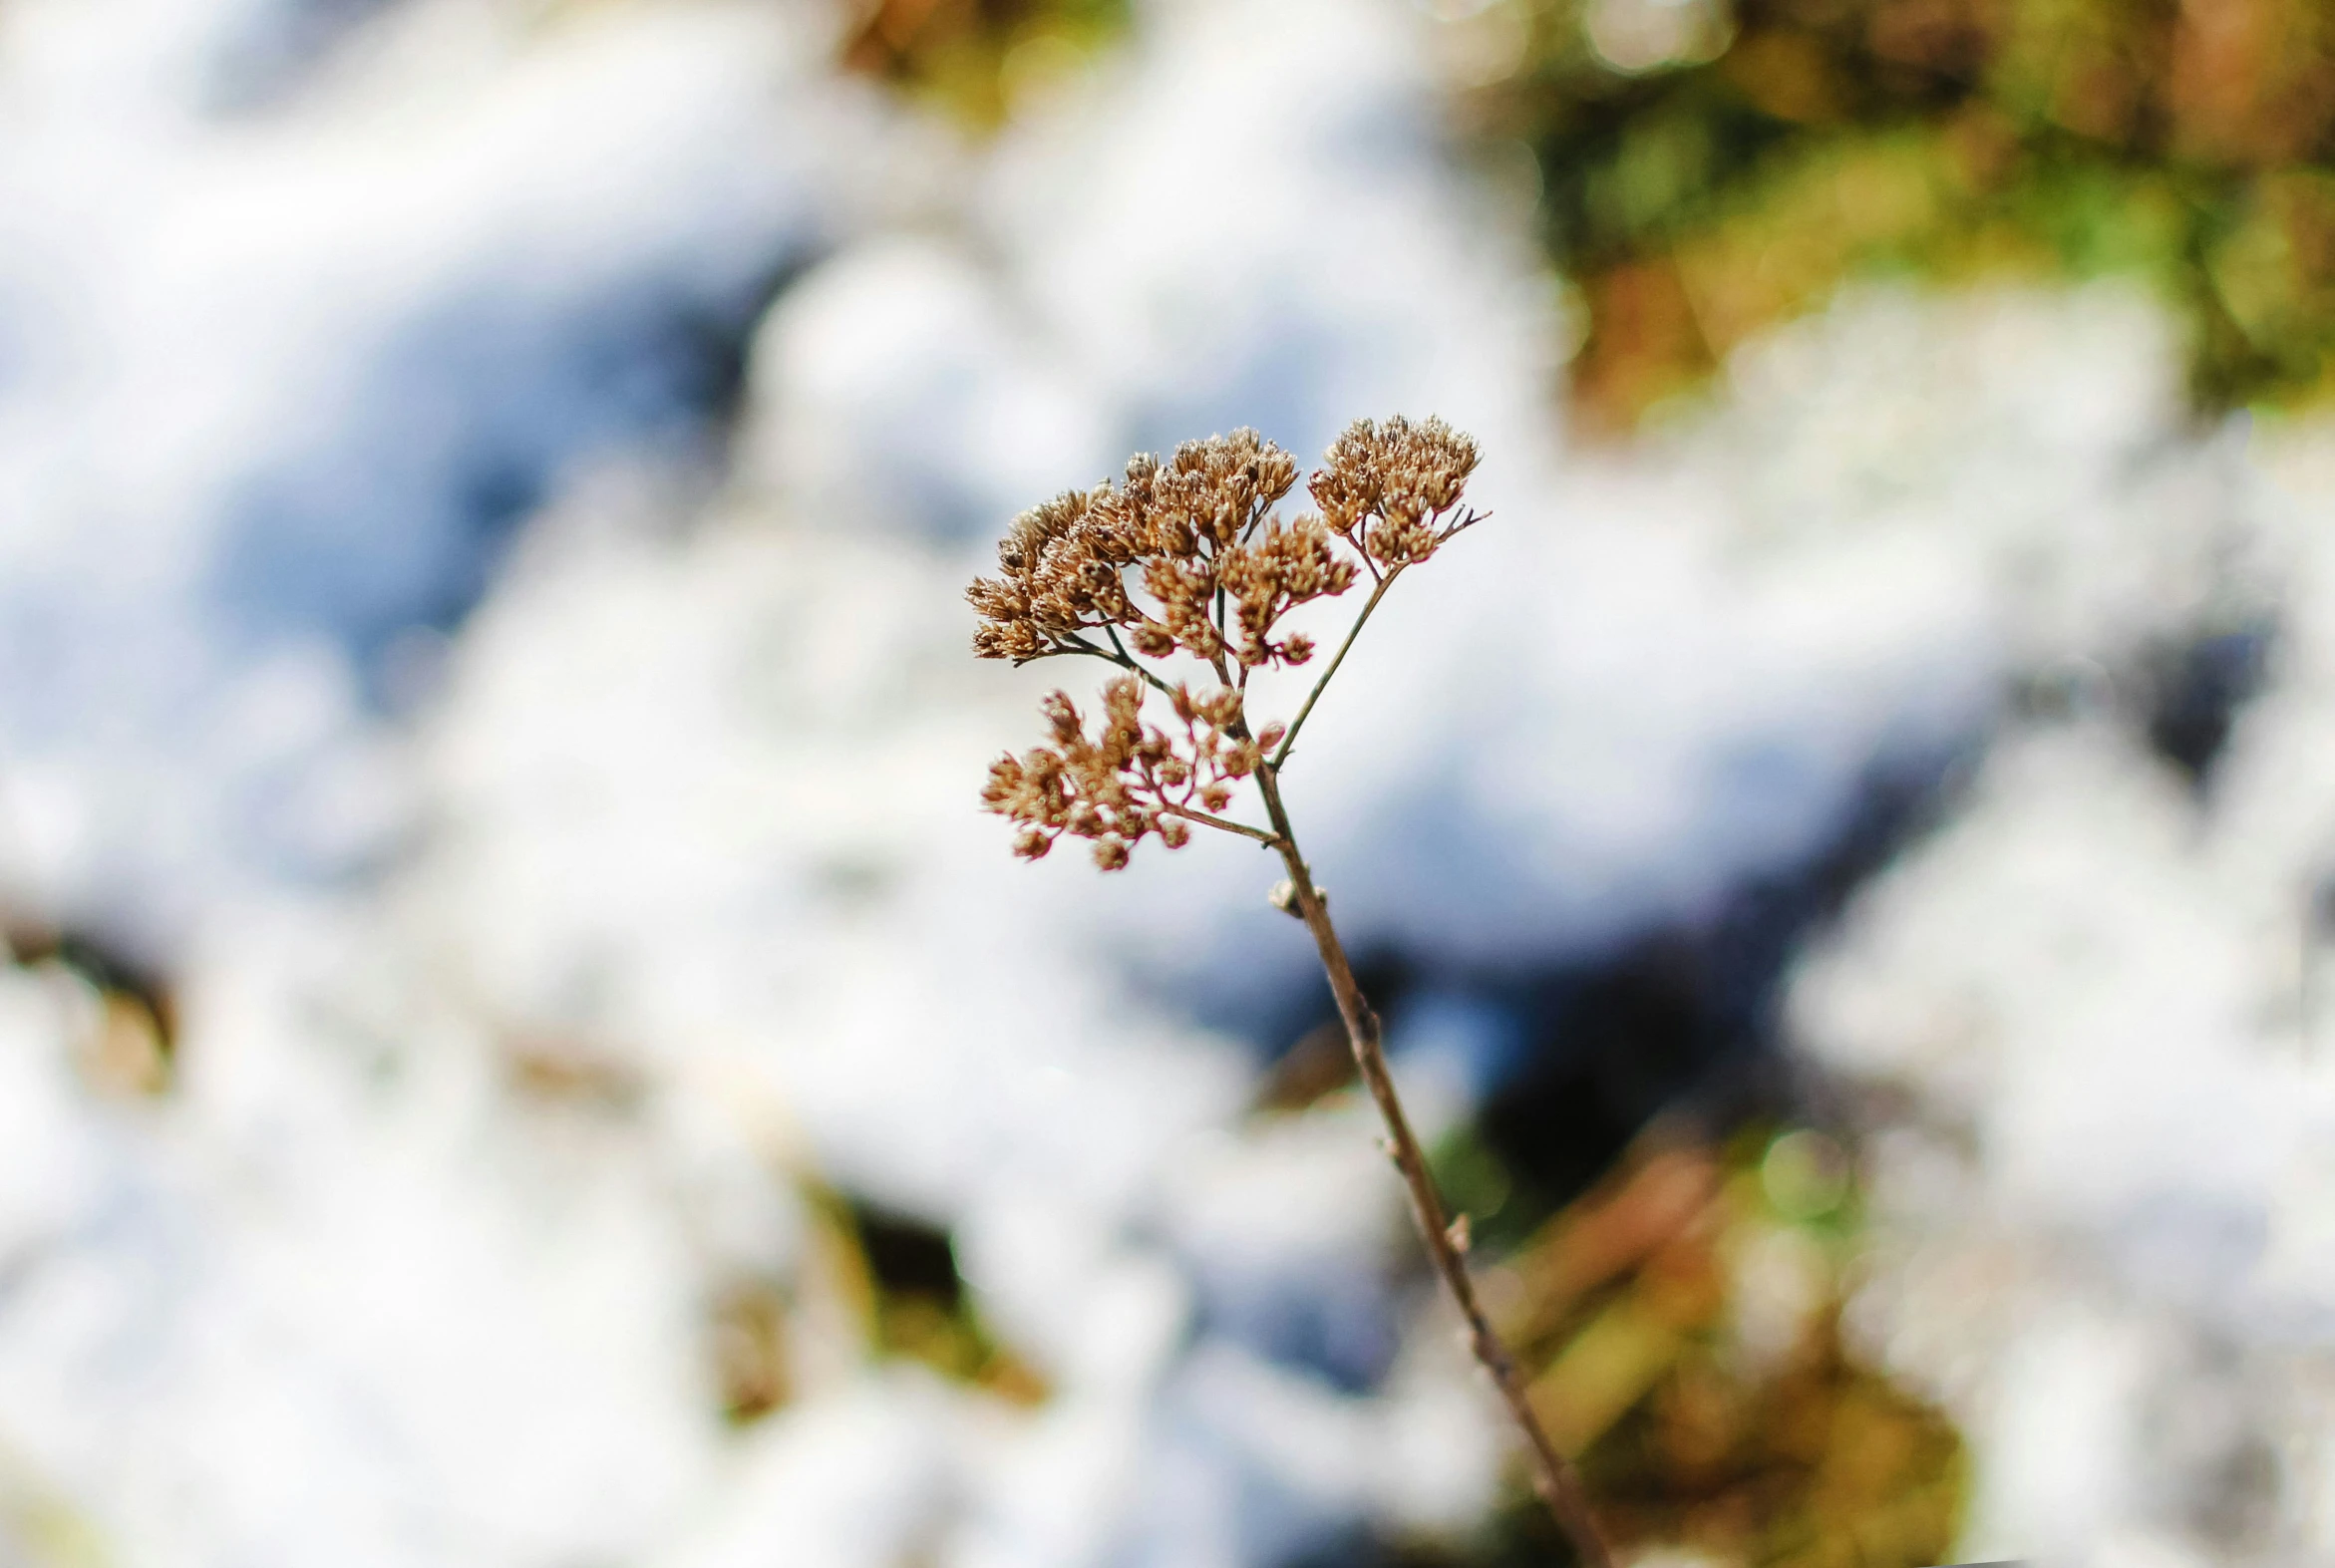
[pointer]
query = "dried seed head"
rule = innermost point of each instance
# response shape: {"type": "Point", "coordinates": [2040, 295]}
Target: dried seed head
{"type": "Point", "coordinates": [1185, 557]}
{"type": "Point", "coordinates": [1387, 486]}
{"type": "Point", "coordinates": [1085, 561]}
{"type": "Point", "coordinates": [1117, 780]}
{"type": "Point", "coordinates": [1284, 566]}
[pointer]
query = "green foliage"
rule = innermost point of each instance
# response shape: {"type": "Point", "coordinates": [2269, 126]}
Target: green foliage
{"type": "Point", "coordinates": [1682, 1324]}
{"type": "Point", "coordinates": [1732, 171]}
{"type": "Point", "coordinates": [977, 59]}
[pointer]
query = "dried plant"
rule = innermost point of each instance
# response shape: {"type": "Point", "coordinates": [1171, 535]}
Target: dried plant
{"type": "Point", "coordinates": [1184, 565]}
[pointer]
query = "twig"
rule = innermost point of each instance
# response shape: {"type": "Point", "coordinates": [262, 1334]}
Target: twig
{"type": "Point", "coordinates": [1552, 1477]}
{"type": "Point", "coordinates": [1119, 656]}
{"type": "Point", "coordinates": [1269, 841]}
{"type": "Point", "coordinates": [1281, 752]}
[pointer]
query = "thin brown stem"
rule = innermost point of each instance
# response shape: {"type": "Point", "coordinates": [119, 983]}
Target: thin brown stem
{"type": "Point", "coordinates": [1281, 752]}
{"type": "Point", "coordinates": [1269, 841]}
{"type": "Point", "coordinates": [1116, 654]}
{"type": "Point", "coordinates": [1552, 1477]}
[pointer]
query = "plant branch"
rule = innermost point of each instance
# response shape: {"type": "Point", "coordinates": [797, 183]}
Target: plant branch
{"type": "Point", "coordinates": [1269, 841]}
{"type": "Point", "coordinates": [1281, 752]}
{"type": "Point", "coordinates": [1552, 1477]}
{"type": "Point", "coordinates": [1116, 654]}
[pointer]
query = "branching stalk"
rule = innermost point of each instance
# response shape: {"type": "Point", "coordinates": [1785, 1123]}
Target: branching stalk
{"type": "Point", "coordinates": [1282, 753]}
{"type": "Point", "coordinates": [1269, 841]}
{"type": "Point", "coordinates": [1553, 1475]}
{"type": "Point", "coordinates": [1120, 656]}
{"type": "Point", "coordinates": [1389, 496]}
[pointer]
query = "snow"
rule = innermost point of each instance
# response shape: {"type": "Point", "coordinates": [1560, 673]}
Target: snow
{"type": "Point", "coordinates": [279, 385]}
{"type": "Point", "coordinates": [2097, 1199]}
{"type": "Point", "coordinates": [410, 647]}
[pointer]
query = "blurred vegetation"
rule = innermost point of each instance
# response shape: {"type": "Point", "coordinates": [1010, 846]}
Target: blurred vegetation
{"type": "Point", "coordinates": [977, 59]}
{"type": "Point", "coordinates": [1684, 1320]}
{"type": "Point", "coordinates": [1681, 1323]}
{"type": "Point", "coordinates": [126, 1041]}
{"type": "Point", "coordinates": [1707, 170]}
{"type": "Point", "coordinates": [39, 1526]}
{"type": "Point", "coordinates": [902, 1282]}
{"type": "Point", "coordinates": [873, 1285]}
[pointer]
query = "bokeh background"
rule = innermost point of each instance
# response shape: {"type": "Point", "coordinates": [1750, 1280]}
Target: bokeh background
{"type": "Point", "coordinates": [518, 1049]}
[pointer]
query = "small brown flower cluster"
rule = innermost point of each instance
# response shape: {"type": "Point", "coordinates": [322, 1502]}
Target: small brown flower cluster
{"type": "Point", "coordinates": [1213, 568]}
{"type": "Point", "coordinates": [1188, 557]}
{"type": "Point", "coordinates": [1130, 778]}
{"type": "Point", "coordinates": [1403, 478]}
